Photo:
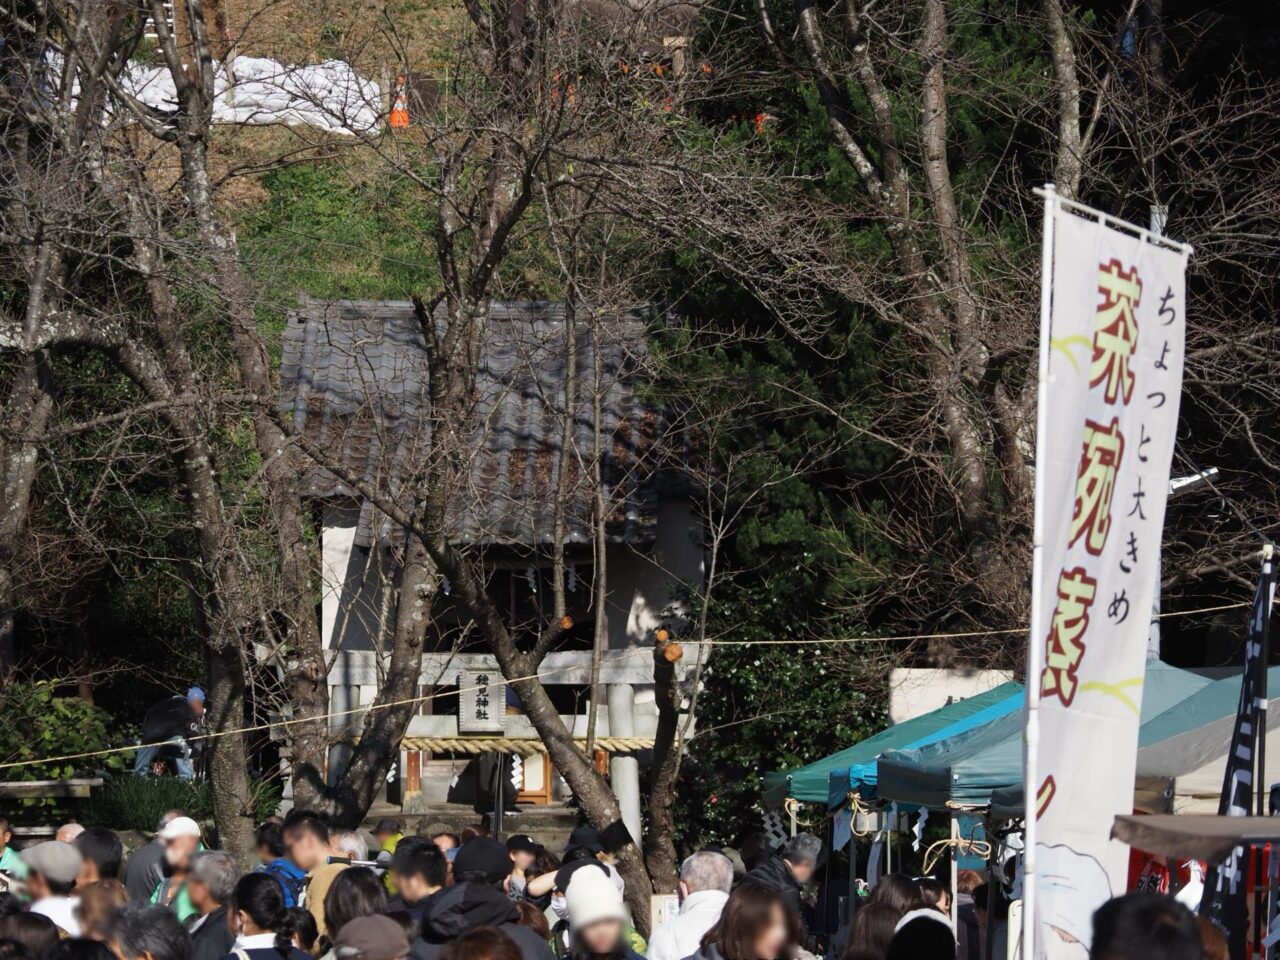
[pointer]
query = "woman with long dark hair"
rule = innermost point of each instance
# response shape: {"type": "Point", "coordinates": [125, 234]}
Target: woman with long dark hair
{"type": "Point", "coordinates": [897, 890]}
{"type": "Point", "coordinates": [260, 921]}
{"type": "Point", "coordinates": [757, 924]}
{"type": "Point", "coordinates": [872, 932]}
{"type": "Point", "coordinates": [355, 892]}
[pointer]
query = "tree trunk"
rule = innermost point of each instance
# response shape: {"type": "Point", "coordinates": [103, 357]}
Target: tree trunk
{"type": "Point", "coordinates": [26, 416]}
{"type": "Point", "coordinates": [233, 811]}
{"type": "Point", "coordinates": [385, 722]}
{"type": "Point", "coordinates": [660, 842]}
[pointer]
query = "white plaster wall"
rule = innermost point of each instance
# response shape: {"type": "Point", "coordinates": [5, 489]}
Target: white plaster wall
{"type": "Point", "coordinates": [351, 601]}
{"type": "Point", "coordinates": [337, 540]}
{"type": "Point", "coordinates": [914, 691]}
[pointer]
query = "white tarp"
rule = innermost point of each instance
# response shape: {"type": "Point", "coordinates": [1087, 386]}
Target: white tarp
{"type": "Point", "coordinates": [329, 95]}
{"type": "Point", "coordinates": [1111, 412]}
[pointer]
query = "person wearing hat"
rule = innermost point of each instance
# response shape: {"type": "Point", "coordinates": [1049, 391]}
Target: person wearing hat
{"type": "Point", "coordinates": [584, 836]}
{"type": "Point", "coordinates": [792, 870]}
{"type": "Point", "coordinates": [597, 918]}
{"type": "Point", "coordinates": [145, 868]}
{"type": "Point", "coordinates": [178, 720]}
{"type": "Point", "coordinates": [181, 839]}
{"type": "Point", "coordinates": [52, 868]}
{"type": "Point", "coordinates": [561, 932]}
{"type": "Point", "coordinates": [371, 938]}
{"type": "Point", "coordinates": [477, 898]}
{"type": "Point", "coordinates": [523, 850]}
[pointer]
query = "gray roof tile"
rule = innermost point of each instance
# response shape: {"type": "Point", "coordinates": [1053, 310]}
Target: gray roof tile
{"type": "Point", "coordinates": [354, 380]}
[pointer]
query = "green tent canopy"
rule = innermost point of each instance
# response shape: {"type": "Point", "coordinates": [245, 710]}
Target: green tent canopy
{"type": "Point", "coordinates": [810, 783]}
{"type": "Point", "coordinates": [966, 770]}
{"type": "Point", "coordinates": [1198, 731]}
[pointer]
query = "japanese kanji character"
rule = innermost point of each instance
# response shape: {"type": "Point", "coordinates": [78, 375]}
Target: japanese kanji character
{"type": "Point", "coordinates": [1166, 309]}
{"type": "Point", "coordinates": [1138, 496]}
{"type": "Point", "coordinates": [1115, 330]}
{"type": "Point", "coordinates": [1131, 552]}
{"type": "Point", "coordinates": [1164, 352]}
{"type": "Point", "coordinates": [1064, 648]}
{"type": "Point", "coordinates": [1095, 481]}
{"type": "Point", "coordinates": [1118, 608]}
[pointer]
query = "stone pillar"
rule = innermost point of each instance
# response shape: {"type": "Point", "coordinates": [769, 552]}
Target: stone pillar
{"type": "Point", "coordinates": [624, 769]}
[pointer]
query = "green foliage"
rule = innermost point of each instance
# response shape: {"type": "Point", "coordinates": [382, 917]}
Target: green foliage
{"type": "Point", "coordinates": [43, 724]}
{"type": "Point", "coordinates": [807, 559]}
{"type": "Point", "coordinates": [341, 233]}
{"type": "Point", "coordinates": [762, 709]}
{"type": "Point", "coordinates": [136, 803]}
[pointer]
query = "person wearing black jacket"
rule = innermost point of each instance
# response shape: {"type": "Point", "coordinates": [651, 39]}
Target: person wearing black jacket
{"type": "Point", "coordinates": [477, 899]}
{"type": "Point", "coordinates": [213, 878]}
{"type": "Point", "coordinates": [176, 720]}
{"type": "Point", "coordinates": [792, 870]}
{"type": "Point", "coordinates": [419, 871]}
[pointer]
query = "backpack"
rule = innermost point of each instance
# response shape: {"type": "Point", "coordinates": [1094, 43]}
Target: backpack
{"type": "Point", "coordinates": [290, 879]}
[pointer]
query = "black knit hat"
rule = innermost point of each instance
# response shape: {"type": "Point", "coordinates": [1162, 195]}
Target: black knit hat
{"type": "Point", "coordinates": [482, 855]}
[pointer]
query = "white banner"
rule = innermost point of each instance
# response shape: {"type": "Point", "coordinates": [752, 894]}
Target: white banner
{"type": "Point", "coordinates": [1110, 414]}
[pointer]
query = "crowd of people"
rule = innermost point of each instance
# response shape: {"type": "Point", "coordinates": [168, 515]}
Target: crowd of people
{"type": "Point", "coordinates": [315, 893]}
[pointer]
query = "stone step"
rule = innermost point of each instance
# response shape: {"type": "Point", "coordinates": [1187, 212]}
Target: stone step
{"type": "Point", "coordinates": [550, 824]}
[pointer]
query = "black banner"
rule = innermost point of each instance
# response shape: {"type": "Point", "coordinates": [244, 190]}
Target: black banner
{"type": "Point", "coordinates": [1225, 889]}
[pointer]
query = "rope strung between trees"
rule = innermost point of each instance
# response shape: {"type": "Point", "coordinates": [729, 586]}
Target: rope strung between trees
{"type": "Point", "coordinates": [523, 746]}
{"type": "Point", "coordinates": [646, 651]}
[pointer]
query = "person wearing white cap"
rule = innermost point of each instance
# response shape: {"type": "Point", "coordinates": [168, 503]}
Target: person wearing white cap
{"type": "Point", "coordinates": [597, 918]}
{"type": "Point", "coordinates": [52, 868]}
{"type": "Point", "coordinates": [181, 839]}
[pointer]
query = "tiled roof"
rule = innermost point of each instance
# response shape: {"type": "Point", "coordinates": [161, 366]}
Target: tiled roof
{"type": "Point", "coordinates": [354, 380]}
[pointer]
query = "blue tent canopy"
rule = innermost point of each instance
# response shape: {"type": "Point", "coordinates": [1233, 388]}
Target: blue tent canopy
{"type": "Point", "coordinates": [810, 783]}
{"type": "Point", "coordinates": [863, 777]}
{"type": "Point", "coordinates": [966, 770]}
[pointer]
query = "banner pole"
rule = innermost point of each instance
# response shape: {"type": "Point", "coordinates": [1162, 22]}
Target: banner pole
{"type": "Point", "coordinates": [1035, 648]}
{"type": "Point", "coordinates": [1261, 909]}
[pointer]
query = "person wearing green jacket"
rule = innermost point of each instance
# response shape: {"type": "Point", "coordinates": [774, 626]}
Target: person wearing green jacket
{"type": "Point", "coordinates": [181, 838]}
{"type": "Point", "coordinates": [10, 860]}
{"type": "Point", "coordinates": [388, 834]}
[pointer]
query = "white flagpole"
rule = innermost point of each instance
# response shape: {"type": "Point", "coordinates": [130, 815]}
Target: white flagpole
{"type": "Point", "coordinates": [1035, 643]}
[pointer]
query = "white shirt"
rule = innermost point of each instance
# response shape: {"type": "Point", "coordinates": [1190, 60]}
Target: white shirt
{"type": "Point", "coordinates": [256, 941]}
{"type": "Point", "coordinates": [61, 910]}
{"type": "Point", "coordinates": [681, 936]}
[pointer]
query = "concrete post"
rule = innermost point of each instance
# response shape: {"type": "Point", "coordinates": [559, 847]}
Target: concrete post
{"type": "Point", "coordinates": [624, 770]}
{"type": "Point", "coordinates": [339, 703]}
